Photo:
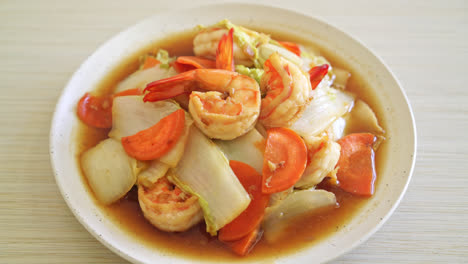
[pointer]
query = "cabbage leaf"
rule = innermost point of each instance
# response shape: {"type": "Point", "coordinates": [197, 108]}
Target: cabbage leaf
{"type": "Point", "coordinates": [109, 170]}
{"type": "Point", "coordinates": [141, 78]}
{"type": "Point", "coordinates": [253, 73]}
{"type": "Point", "coordinates": [327, 105]}
{"type": "Point", "coordinates": [297, 204]}
{"type": "Point", "coordinates": [246, 149]}
{"type": "Point", "coordinates": [205, 172]}
{"type": "Point", "coordinates": [131, 115]}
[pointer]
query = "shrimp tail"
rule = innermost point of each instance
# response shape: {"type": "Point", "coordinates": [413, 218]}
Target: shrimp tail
{"type": "Point", "coordinates": [187, 63]}
{"type": "Point", "coordinates": [170, 87]}
{"type": "Point", "coordinates": [225, 52]}
{"type": "Point", "coordinates": [316, 75]}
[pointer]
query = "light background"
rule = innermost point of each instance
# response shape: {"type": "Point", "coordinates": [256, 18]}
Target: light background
{"type": "Point", "coordinates": [425, 43]}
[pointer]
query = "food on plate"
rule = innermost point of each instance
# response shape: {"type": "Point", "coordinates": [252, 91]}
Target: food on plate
{"type": "Point", "coordinates": [244, 137]}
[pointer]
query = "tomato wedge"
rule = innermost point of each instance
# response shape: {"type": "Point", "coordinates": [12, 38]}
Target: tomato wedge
{"type": "Point", "coordinates": [95, 111]}
{"type": "Point", "coordinates": [153, 142]}
{"type": "Point", "coordinates": [251, 217]}
{"type": "Point", "coordinates": [285, 160]}
{"type": "Point", "coordinates": [356, 172]}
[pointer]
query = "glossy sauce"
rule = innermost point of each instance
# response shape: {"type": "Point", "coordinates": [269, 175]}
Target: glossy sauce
{"type": "Point", "coordinates": [196, 243]}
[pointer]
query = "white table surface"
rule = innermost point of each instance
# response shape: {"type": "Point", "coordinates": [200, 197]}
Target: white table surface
{"type": "Point", "coordinates": [425, 43]}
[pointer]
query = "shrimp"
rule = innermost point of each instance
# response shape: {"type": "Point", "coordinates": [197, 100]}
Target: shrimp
{"type": "Point", "coordinates": [227, 110]}
{"type": "Point", "coordinates": [206, 42]}
{"type": "Point", "coordinates": [287, 90]}
{"type": "Point", "coordinates": [168, 208]}
{"type": "Point", "coordinates": [323, 155]}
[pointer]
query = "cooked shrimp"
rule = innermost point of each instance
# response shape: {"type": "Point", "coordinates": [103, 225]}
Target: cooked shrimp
{"type": "Point", "coordinates": [227, 110]}
{"type": "Point", "coordinates": [323, 155]}
{"type": "Point", "coordinates": [168, 208]}
{"type": "Point", "coordinates": [206, 42]}
{"type": "Point", "coordinates": [287, 90]}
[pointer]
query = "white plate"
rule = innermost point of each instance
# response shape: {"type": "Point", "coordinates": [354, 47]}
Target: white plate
{"type": "Point", "coordinates": [401, 145]}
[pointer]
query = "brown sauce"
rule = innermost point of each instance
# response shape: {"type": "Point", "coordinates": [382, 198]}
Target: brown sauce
{"type": "Point", "coordinates": [196, 243]}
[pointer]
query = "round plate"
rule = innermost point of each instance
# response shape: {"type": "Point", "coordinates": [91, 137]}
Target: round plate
{"type": "Point", "coordinates": [395, 113]}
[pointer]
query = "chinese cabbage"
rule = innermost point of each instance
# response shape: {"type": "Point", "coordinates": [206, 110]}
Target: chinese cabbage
{"type": "Point", "coordinates": [253, 73]}
{"type": "Point", "coordinates": [155, 171]}
{"type": "Point", "coordinates": [131, 115]}
{"type": "Point", "coordinates": [141, 78]}
{"type": "Point", "coordinates": [336, 130]}
{"type": "Point", "coordinates": [297, 204]}
{"type": "Point", "coordinates": [163, 57]}
{"type": "Point", "coordinates": [204, 171]}
{"type": "Point", "coordinates": [246, 148]}
{"type": "Point", "coordinates": [327, 105]}
{"type": "Point", "coordinates": [341, 78]}
{"type": "Point", "coordinates": [172, 157]}
{"type": "Point", "coordinates": [362, 119]}
{"type": "Point", "coordinates": [265, 51]}
{"type": "Point", "coordinates": [110, 172]}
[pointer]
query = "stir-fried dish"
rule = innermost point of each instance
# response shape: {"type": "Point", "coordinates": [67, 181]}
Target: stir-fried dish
{"type": "Point", "coordinates": [237, 135]}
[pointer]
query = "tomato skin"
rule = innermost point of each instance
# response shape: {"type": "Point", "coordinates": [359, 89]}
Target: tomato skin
{"type": "Point", "coordinates": [95, 111]}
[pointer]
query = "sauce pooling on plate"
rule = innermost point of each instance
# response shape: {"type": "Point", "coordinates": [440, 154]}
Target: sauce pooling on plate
{"type": "Point", "coordinates": [297, 127]}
